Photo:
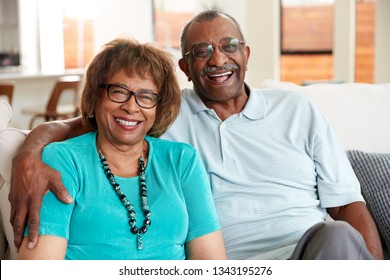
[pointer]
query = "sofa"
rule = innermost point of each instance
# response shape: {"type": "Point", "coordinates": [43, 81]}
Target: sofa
{"type": "Point", "coordinates": [359, 114]}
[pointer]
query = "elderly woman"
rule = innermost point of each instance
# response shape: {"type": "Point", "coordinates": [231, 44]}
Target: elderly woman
{"type": "Point", "coordinates": [134, 196]}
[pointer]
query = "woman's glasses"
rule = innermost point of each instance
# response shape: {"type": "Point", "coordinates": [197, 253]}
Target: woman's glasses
{"type": "Point", "coordinates": [145, 99]}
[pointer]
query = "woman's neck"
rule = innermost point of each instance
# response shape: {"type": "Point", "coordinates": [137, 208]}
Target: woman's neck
{"type": "Point", "coordinates": [123, 160]}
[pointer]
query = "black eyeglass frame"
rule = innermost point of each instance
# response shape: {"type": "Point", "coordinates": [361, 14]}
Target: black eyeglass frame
{"type": "Point", "coordinates": [130, 93]}
{"type": "Point", "coordinates": [211, 46]}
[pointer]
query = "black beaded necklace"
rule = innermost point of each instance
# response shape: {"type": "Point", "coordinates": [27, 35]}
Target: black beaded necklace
{"type": "Point", "coordinates": [126, 203]}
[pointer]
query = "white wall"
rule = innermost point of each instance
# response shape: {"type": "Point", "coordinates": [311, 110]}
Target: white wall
{"type": "Point", "coordinates": [28, 35]}
{"type": "Point", "coordinates": [382, 42]}
{"type": "Point", "coordinates": [41, 36]}
{"type": "Point", "coordinates": [51, 36]}
{"type": "Point", "coordinates": [123, 18]}
{"type": "Point", "coordinates": [263, 29]}
{"type": "Point", "coordinates": [344, 43]}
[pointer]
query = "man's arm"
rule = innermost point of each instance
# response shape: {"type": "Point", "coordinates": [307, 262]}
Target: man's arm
{"type": "Point", "coordinates": [357, 215]}
{"type": "Point", "coordinates": [31, 178]}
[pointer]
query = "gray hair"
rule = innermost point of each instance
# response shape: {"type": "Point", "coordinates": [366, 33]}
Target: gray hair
{"type": "Point", "coordinates": [208, 15]}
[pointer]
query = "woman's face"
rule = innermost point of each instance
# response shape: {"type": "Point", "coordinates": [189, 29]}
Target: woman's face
{"type": "Point", "coordinates": [124, 124]}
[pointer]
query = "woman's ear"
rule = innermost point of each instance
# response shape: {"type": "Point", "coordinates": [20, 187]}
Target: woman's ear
{"type": "Point", "coordinates": [184, 67]}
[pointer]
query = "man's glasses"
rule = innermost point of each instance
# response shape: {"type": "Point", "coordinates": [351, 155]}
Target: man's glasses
{"type": "Point", "coordinates": [145, 99]}
{"type": "Point", "coordinates": [228, 46]}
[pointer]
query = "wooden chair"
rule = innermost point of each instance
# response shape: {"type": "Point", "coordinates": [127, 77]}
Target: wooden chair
{"type": "Point", "coordinates": [7, 89]}
{"type": "Point", "coordinates": [54, 110]}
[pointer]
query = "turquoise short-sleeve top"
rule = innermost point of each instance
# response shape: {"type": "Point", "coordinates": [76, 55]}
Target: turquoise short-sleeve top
{"type": "Point", "coordinates": [96, 223]}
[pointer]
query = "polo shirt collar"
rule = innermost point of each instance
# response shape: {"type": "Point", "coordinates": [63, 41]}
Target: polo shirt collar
{"type": "Point", "coordinates": [194, 102]}
{"type": "Point", "coordinates": [256, 106]}
{"type": "Point", "coordinates": [254, 109]}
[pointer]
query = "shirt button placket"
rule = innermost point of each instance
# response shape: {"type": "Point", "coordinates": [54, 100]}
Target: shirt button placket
{"type": "Point", "coordinates": [224, 141]}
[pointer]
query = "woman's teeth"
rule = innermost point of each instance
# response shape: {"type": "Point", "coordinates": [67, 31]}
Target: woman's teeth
{"type": "Point", "coordinates": [126, 123]}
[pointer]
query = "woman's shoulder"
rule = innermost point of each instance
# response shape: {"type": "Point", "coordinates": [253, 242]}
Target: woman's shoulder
{"type": "Point", "coordinates": [86, 140]}
{"type": "Point", "coordinates": [176, 155]}
{"type": "Point", "coordinates": [164, 144]}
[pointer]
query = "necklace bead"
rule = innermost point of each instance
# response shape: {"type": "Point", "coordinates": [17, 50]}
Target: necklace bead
{"type": "Point", "coordinates": [126, 203]}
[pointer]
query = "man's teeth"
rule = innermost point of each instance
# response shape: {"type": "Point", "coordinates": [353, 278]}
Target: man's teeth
{"type": "Point", "coordinates": [222, 74]}
{"type": "Point", "coordinates": [126, 123]}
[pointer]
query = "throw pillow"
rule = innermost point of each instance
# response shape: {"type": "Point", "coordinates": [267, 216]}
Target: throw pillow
{"type": "Point", "coordinates": [373, 173]}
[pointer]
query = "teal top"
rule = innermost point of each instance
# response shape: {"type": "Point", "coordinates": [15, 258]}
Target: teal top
{"type": "Point", "coordinates": [96, 223]}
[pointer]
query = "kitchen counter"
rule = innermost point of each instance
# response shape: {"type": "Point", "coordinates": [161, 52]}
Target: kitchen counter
{"type": "Point", "coordinates": [31, 89]}
{"type": "Point", "coordinates": [15, 73]}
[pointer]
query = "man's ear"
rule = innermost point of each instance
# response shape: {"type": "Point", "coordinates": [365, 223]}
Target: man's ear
{"type": "Point", "coordinates": [184, 67]}
{"type": "Point", "coordinates": [247, 54]}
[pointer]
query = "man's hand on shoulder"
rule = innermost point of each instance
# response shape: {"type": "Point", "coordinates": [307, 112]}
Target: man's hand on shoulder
{"type": "Point", "coordinates": [30, 180]}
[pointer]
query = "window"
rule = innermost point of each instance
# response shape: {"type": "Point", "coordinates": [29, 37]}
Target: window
{"type": "Point", "coordinates": [306, 40]}
{"type": "Point", "coordinates": [307, 27]}
{"type": "Point", "coordinates": [365, 33]}
{"type": "Point", "coordinates": [78, 33]}
{"type": "Point", "coordinates": [170, 17]}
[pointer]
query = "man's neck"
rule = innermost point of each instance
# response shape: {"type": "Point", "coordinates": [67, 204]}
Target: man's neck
{"type": "Point", "coordinates": [225, 109]}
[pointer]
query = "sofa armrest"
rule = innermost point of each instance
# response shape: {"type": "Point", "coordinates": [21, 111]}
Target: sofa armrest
{"type": "Point", "coordinates": [10, 141]}
{"type": "Point", "coordinates": [5, 113]}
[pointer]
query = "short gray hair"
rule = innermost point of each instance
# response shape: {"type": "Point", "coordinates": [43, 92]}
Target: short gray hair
{"type": "Point", "coordinates": [208, 15]}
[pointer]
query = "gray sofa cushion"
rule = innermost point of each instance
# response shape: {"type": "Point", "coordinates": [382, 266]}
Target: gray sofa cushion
{"type": "Point", "coordinates": [373, 173]}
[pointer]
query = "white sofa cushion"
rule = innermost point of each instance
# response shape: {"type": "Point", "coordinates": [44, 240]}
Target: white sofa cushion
{"type": "Point", "coordinates": [359, 113]}
{"type": "Point", "coordinates": [10, 141]}
{"type": "Point", "coordinates": [5, 113]}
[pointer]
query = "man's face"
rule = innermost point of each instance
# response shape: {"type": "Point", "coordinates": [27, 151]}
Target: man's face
{"type": "Point", "coordinates": [217, 71]}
